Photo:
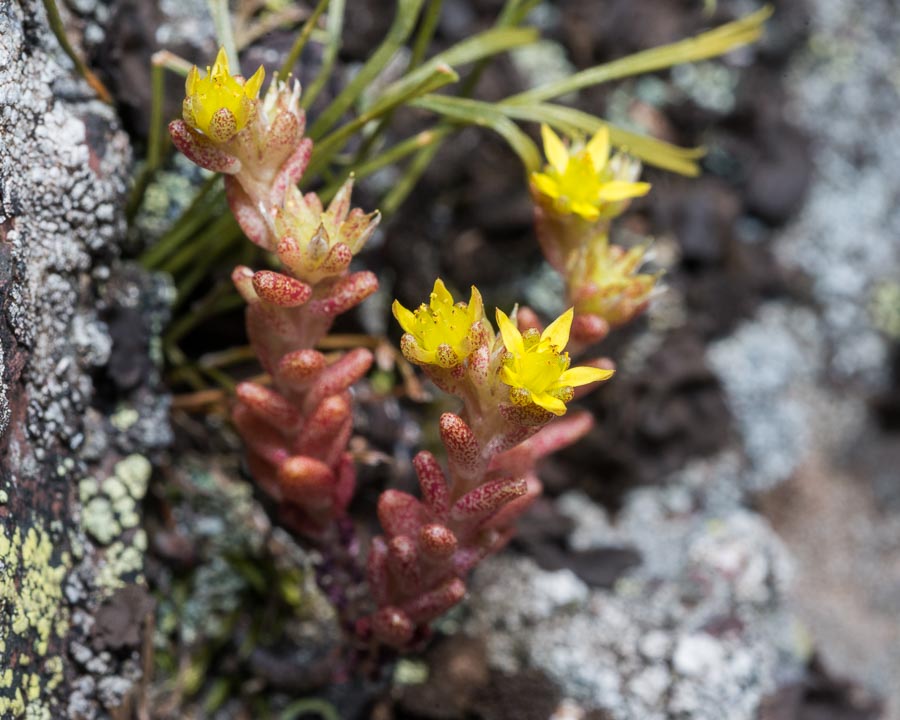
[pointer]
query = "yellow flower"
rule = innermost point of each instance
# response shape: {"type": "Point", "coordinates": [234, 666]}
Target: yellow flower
{"type": "Point", "coordinates": [220, 104]}
{"type": "Point", "coordinates": [609, 284]}
{"type": "Point", "coordinates": [587, 183]}
{"type": "Point", "coordinates": [441, 333]}
{"type": "Point", "coordinates": [536, 368]}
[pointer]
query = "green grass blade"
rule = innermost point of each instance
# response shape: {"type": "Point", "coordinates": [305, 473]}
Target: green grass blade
{"type": "Point", "coordinates": [331, 144]}
{"type": "Point", "coordinates": [400, 30]}
{"type": "Point", "coordinates": [334, 29]}
{"type": "Point", "coordinates": [483, 45]}
{"type": "Point", "coordinates": [302, 37]}
{"type": "Point", "coordinates": [426, 32]}
{"type": "Point", "coordinates": [701, 47]}
{"type": "Point", "coordinates": [484, 114]}
{"type": "Point", "coordinates": [574, 122]}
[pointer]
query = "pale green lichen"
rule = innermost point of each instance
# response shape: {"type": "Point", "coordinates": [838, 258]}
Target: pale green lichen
{"type": "Point", "coordinates": [122, 560]}
{"type": "Point", "coordinates": [110, 508]}
{"type": "Point", "coordinates": [111, 505]}
{"type": "Point", "coordinates": [135, 472]}
{"type": "Point", "coordinates": [99, 520]}
{"type": "Point", "coordinates": [114, 488]}
{"type": "Point", "coordinates": [124, 418]}
{"type": "Point", "coordinates": [87, 488]}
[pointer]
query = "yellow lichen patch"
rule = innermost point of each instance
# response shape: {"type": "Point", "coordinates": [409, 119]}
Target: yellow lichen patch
{"type": "Point", "coordinates": [32, 607]}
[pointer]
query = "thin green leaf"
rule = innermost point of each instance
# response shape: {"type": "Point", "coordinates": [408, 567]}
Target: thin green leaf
{"type": "Point", "coordinates": [221, 17]}
{"type": "Point", "coordinates": [334, 28]}
{"type": "Point", "coordinates": [574, 122]}
{"type": "Point", "coordinates": [301, 39]}
{"type": "Point", "coordinates": [701, 47]}
{"type": "Point", "coordinates": [400, 30]}
{"type": "Point", "coordinates": [426, 32]}
{"type": "Point", "coordinates": [483, 45]}
{"type": "Point", "coordinates": [414, 170]}
{"type": "Point", "coordinates": [484, 114]}
{"type": "Point", "coordinates": [329, 145]}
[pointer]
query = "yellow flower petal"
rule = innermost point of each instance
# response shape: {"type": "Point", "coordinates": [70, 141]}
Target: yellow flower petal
{"type": "Point", "coordinates": [585, 210]}
{"type": "Point", "coordinates": [616, 190]}
{"type": "Point", "coordinates": [190, 83]}
{"type": "Point", "coordinates": [476, 306]}
{"type": "Point", "coordinates": [556, 152]}
{"type": "Point", "coordinates": [598, 148]}
{"type": "Point", "coordinates": [557, 332]}
{"type": "Point", "coordinates": [512, 338]}
{"type": "Point", "coordinates": [252, 86]}
{"type": "Point", "coordinates": [440, 293]}
{"type": "Point", "coordinates": [549, 403]}
{"type": "Point", "coordinates": [220, 66]}
{"type": "Point", "coordinates": [582, 375]}
{"type": "Point", "coordinates": [546, 185]}
{"type": "Point", "coordinates": [405, 317]}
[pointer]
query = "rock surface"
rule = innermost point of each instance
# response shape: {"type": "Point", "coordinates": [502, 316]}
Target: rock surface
{"type": "Point", "coordinates": [74, 443]}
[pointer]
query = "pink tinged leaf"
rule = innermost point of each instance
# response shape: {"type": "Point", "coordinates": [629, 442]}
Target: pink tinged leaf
{"type": "Point", "coordinates": [403, 561]}
{"type": "Point", "coordinates": [468, 557]}
{"type": "Point", "coordinates": [301, 366]}
{"type": "Point", "coordinates": [283, 132]}
{"type": "Point", "coordinates": [345, 486]}
{"type": "Point", "coordinates": [259, 437]}
{"type": "Point", "coordinates": [268, 405]}
{"type": "Point", "coordinates": [280, 290]}
{"type": "Point", "coordinates": [430, 605]}
{"type": "Point", "coordinates": [515, 508]}
{"type": "Point", "coordinates": [393, 627]}
{"type": "Point", "coordinates": [376, 570]}
{"type": "Point", "coordinates": [463, 449]}
{"type": "Point", "coordinates": [242, 277]}
{"type": "Point", "coordinates": [337, 260]}
{"type": "Point", "coordinates": [346, 293]}
{"type": "Point", "coordinates": [504, 441]}
{"type": "Point", "coordinates": [340, 204]}
{"type": "Point", "coordinates": [526, 416]}
{"type": "Point", "coordinates": [290, 254]}
{"type": "Point", "coordinates": [200, 150]}
{"type": "Point", "coordinates": [247, 214]}
{"type": "Point", "coordinates": [435, 492]}
{"type": "Point", "coordinates": [588, 328]}
{"type": "Point", "coordinates": [327, 430]}
{"type": "Point", "coordinates": [342, 374]}
{"type": "Point", "coordinates": [480, 363]}
{"type": "Point", "coordinates": [291, 171]}
{"type": "Point", "coordinates": [558, 434]}
{"type": "Point", "coordinates": [358, 228]}
{"type": "Point", "coordinates": [486, 499]}
{"type": "Point", "coordinates": [306, 481]}
{"type": "Point", "coordinates": [400, 513]}
{"type": "Point", "coordinates": [437, 542]}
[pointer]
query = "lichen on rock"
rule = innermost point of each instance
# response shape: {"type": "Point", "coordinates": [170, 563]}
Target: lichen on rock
{"type": "Point", "coordinates": [64, 169]}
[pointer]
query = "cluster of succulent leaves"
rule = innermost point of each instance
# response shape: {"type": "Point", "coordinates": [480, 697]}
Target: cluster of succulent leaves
{"type": "Point", "coordinates": [349, 136]}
